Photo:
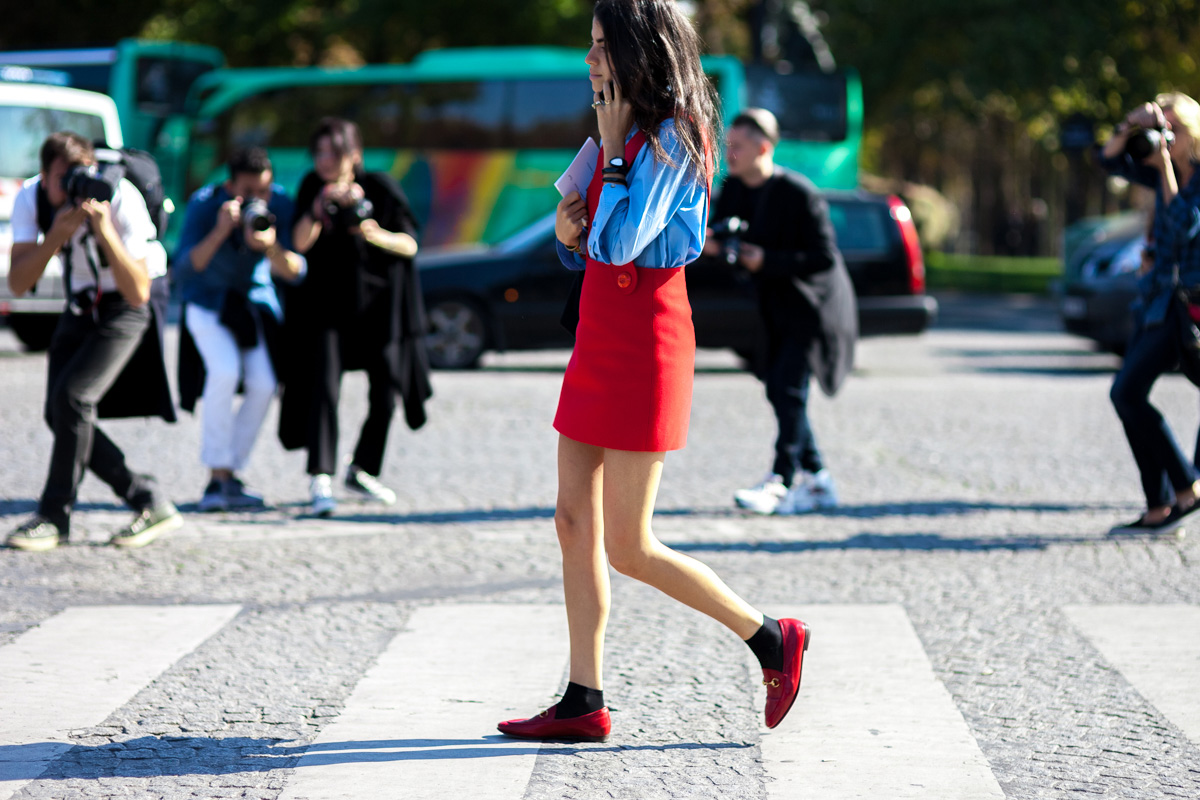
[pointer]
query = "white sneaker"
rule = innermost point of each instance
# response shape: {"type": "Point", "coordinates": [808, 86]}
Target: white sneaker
{"type": "Point", "coordinates": [763, 498]}
{"type": "Point", "coordinates": [323, 503]}
{"type": "Point", "coordinates": [364, 483]}
{"type": "Point", "coordinates": [823, 491]}
{"type": "Point", "coordinates": [808, 493]}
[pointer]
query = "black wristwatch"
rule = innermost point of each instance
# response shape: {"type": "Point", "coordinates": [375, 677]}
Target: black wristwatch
{"type": "Point", "coordinates": [618, 166]}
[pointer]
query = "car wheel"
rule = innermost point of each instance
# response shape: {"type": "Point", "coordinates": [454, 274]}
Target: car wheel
{"type": "Point", "coordinates": [34, 330]}
{"type": "Point", "coordinates": [458, 336]}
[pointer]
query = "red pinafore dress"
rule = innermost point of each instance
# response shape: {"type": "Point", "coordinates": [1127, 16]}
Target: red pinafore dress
{"type": "Point", "coordinates": [628, 385]}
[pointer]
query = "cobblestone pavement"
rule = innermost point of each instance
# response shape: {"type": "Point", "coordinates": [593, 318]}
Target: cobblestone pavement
{"type": "Point", "coordinates": [979, 465]}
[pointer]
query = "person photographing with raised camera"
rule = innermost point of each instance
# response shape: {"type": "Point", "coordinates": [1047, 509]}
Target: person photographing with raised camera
{"type": "Point", "coordinates": [95, 223]}
{"type": "Point", "coordinates": [774, 224]}
{"type": "Point", "coordinates": [359, 308]}
{"type": "Point", "coordinates": [236, 239]}
{"type": "Point", "coordinates": [1157, 146]}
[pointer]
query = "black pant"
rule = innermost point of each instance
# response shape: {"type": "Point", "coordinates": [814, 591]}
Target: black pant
{"type": "Point", "coordinates": [323, 413]}
{"type": "Point", "coordinates": [787, 378]}
{"type": "Point", "coordinates": [86, 356]}
{"type": "Point", "coordinates": [1163, 467]}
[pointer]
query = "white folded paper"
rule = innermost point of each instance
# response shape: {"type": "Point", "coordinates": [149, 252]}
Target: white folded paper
{"type": "Point", "coordinates": [579, 175]}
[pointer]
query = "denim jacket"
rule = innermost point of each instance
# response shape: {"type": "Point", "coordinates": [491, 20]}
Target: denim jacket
{"type": "Point", "coordinates": [1176, 237]}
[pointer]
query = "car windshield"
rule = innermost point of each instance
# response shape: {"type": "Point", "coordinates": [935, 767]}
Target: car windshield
{"type": "Point", "coordinates": [529, 237]}
{"type": "Point", "coordinates": [23, 129]}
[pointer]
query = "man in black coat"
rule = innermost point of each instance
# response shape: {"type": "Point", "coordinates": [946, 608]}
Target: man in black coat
{"type": "Point", "coordinates": [807, 303]}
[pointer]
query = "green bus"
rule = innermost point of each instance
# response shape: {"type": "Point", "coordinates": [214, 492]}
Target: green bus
{"type": "Point", "coordinates": [477, 136]}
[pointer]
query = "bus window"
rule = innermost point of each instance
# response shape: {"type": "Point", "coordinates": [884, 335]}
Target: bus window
{"type": "Point", "coordinates": [458, 116]}
{"type": "Point", "coordinates": [552, 113]}
{"type": "Point", "coordinates": [810, 106]}
{"type": "Point", "coordinates": [163, 83]}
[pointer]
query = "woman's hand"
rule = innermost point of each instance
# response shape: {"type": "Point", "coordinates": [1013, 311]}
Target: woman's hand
{"type": "Point", "coordinates": [571, 219]}
{"type": "Point", "coordinates": [614, 115]}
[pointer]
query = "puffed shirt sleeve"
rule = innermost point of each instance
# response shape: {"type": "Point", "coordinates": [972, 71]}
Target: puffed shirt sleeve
{"type": "Point", "coordinates": [138, 234]}
{"type": "Point", "coordinates": [658, 219]}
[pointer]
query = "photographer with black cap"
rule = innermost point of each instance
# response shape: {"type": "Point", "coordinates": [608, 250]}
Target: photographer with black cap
{"type": "Point", "coordinates": [1157, 146]}
{"type": "Point", "coordinates": [360, 308]}
{"type": "Point", "coordinates": [105, 358]}
{"type": "Point", "coordinates": [774, 224]}
{"type": "Point", "coordinates": [236, 239]}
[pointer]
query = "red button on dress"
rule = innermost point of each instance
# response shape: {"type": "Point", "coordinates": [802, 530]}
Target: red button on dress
{"type": "Point", "coordinates": [623, 280]}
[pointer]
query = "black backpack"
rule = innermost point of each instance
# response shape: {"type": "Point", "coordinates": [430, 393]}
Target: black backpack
{"type": "Point", "coordinates": [136, 166]}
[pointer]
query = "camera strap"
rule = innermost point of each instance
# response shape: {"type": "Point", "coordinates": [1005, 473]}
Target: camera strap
{"type": "Point", "coordinates": [91, 253]}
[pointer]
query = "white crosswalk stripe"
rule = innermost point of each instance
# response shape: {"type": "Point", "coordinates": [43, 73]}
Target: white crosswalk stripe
{"type": "Point", "coordinates": [1156, 648]}
{"type": "Point", "coordinates": [872, 720]}
{"type": "Point", "coordinates": [79, 666]}
{"type": "Point", "coordinates": [425, 719]}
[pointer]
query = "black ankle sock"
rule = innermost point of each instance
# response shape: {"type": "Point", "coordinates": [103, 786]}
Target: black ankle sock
{"type": "Point", "coordinates": [767, 644]}
{"type": "Point", "coordinates": [578, 700]}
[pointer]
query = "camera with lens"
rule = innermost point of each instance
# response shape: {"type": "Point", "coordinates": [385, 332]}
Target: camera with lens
{"type": "Point", "coordinates": [87, 182]}
{"type": "Point", "coordinates": [343, 217]}
{"type": "Point", "coordinates": [729, 233]}
{"type": "Point", "coordinates": [256, 217]}
{"type": "Point", "coordinates": [1145, 142]}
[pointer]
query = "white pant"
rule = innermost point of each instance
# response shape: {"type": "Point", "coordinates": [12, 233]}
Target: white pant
{"type": "Point", "coordinates": [228, 439]}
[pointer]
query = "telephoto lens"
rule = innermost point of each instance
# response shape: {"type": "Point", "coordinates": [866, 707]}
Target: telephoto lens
{"type": "Point", "coordinates": [256, 217]}
{"type": "Point", "coordinates": [1145, 142]}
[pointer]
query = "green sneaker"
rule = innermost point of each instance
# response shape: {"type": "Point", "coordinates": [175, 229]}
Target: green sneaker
{"type": "Point", "coordinates": [147, 525]}
{"type": "Point", "coordinates": [35, 534]}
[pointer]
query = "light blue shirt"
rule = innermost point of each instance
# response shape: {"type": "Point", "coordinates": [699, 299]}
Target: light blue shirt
{"type": "Point", "coordinates": [658, 220]}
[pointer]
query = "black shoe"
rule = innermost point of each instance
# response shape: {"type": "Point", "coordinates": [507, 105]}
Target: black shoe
{"type": "Point", "coordinates": [1140, 525]}
{"type": "Point", "coordinates": [35, 534]}
{"type": "Point", "coordinates": [1178, 515]}
{"type": "Point", "coordinates": [213, 498]}
{"type": "Point", "coordinates": [239, 496]}
{"type": "Point", "coordinates": [147, 525]}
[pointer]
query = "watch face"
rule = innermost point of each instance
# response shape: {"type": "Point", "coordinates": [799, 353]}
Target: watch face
{"type": "Point", "coordinates": [617, 162]}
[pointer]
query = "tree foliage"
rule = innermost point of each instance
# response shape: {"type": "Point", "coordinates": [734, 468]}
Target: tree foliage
{"type": "Point", "coordinates": [302, 32]}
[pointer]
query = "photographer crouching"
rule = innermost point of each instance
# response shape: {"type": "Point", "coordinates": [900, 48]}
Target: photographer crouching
{"type": "Point", "coordinates": [774, 224]}
{"type": "Point", "coordinates": [236, 237]}
{"type": "Point", "coordinates": [95, 222]}
{"type": "Point", "coordinates": [360, 308]}
{"type": "Point", "coordinates": [1157, 146]}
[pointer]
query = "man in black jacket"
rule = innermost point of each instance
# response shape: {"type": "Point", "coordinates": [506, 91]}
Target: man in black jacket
{"type": "Point", "coordinates": [806, 299]}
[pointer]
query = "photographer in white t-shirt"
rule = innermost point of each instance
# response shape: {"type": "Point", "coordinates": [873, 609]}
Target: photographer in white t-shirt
{"type": "Point", "coordinates": [102, 233]}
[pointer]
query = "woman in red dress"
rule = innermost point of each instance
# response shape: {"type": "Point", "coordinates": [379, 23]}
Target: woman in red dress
{"type": "Point", "coordinates": [626, 395]}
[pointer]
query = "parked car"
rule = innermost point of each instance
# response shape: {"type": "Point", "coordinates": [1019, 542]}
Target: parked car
{"type": "Point", "coordinates": [510, 296]}
{"type": "Point", "coordinates": [1101, 258]}
{"type": "Point", "coordinates": [30, 110]}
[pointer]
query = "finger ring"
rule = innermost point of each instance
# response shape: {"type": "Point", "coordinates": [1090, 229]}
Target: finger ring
{"type": "Point", "coordinates": [599, 103]}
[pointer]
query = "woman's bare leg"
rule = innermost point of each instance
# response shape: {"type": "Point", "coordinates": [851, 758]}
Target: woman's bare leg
{"type": "Point", "coordinates": [580, 524]}
{"type": "Point", "coordinates": [630, 486]}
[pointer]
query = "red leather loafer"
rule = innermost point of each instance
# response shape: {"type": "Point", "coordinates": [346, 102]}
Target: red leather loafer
{"type": "Point", "coordinates": [593, 727]}
{"type": "Point", "coordinates": [783, 686]}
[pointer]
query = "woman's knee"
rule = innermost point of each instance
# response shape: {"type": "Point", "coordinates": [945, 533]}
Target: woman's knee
{"type": "Point", "coordinates": [1126, 396]}
{"type": "Point", "coordinates": [575, 527]}
{"type": "Point", "coordinates": [630, 559]}
{"type": "Point", "coordinates": [261, 385]}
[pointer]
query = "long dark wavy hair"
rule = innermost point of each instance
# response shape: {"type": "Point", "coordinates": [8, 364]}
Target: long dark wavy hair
{"type": "Point", "coordinates": [655, 57]}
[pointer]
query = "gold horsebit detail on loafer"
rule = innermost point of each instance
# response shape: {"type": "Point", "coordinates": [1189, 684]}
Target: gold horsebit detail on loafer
{"type": "Point", "coordinates": [773, 683]}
